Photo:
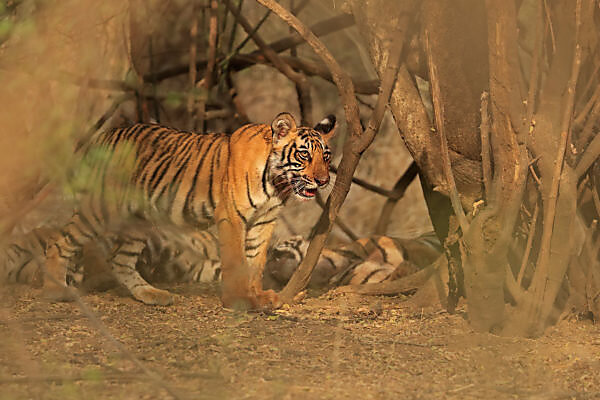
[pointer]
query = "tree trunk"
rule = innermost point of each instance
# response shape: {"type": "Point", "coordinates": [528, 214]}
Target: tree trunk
{"type": "Point", "coordinates": [474, 47]}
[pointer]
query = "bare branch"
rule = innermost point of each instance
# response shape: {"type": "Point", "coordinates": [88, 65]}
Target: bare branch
{"type": "Point", "coordinates": [338, 221]}
{"type": "Point", "coordinates": [210, 67]}
{"type": "Point", "coordinates": [486, 162]}
{"type": "Point", "coordinates": [583, 114]}
{"type": "Point", "coordinates": [397, 193]}
{"type": "Point", "coordinates": [192, 72]}
{"type": "Point", "coordinates": [535, 62]}
{"type": "Point", "coordinates": [323, 28]}
{"type": "Point", "coordinates": [299, 79]}
{"type": "Point", "coordinates": [530, 236]}
{"type": "Point", "coordinates": [588, 129]}
{"type": "Point", "coordinates": [550, 210]}
{"type": "Point", "coordinates": [340, 77]}
{"type": "Point", "coordinates": [591, 154]}
{"type": "Point", "coordinates": [439, 122]}
{"type": "Point", "coordinates": [366, 185]}
{"type": "Point", "coordinates": [354, 146]}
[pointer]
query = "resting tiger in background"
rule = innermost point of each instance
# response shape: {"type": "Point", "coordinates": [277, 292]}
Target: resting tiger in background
{"type": "Point", "coordinates": [150, 175]}
{"type": "Point", "coordinates": [367, 260]}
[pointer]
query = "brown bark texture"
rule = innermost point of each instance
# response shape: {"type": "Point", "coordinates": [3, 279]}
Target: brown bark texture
{"type": "Point", "coordinates": [490, 82]}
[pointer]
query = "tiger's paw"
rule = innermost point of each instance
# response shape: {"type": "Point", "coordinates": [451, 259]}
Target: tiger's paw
{"type": "Point", "coordinates": [57, 293]}
{"type": "Point", "coordinates": [269, 299]}
{"type": "Point", "coordinates": [152, 296]}
{"type": "Point", "coordinates": [263, 300]}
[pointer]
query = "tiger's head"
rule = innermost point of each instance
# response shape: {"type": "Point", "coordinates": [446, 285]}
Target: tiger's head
{"type": "Point", "coordinates": [301, 155]}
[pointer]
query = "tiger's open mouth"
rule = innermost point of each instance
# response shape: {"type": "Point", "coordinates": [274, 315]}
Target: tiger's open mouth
{"type": "Point", "coordinates": [307, 193]}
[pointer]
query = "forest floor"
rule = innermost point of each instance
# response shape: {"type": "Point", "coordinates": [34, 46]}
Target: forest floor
{"type": "Point", "coordinates": [328, 347]}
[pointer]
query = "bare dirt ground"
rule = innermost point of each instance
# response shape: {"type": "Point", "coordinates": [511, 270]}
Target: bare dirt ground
{"type": "Point", "coordinates": [329, 347]}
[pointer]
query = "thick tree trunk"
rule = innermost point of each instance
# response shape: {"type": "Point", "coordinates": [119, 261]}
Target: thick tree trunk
{"type": "Point", "coordinates": [473, 47]}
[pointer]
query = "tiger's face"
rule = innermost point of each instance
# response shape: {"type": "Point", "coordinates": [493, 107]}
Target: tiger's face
{"type": "Point", "coordinates": [301, 155]}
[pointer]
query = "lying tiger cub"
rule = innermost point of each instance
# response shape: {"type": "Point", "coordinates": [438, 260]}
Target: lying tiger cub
{"type": "Point", "coordinates": [368, 260]}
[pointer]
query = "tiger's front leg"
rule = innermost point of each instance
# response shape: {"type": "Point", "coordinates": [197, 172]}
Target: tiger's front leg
{"type": "Point", "coordinates": [257, 242]}
{"type": "Point", "coordinates": [239, 289]}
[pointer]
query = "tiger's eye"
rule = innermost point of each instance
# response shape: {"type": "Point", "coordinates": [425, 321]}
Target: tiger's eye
{"type": "Point", "coordinates": [303, 154]}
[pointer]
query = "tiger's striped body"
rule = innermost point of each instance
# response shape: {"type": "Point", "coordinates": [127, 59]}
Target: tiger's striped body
{"type": "Point", "coordinates": [367, 260]}
{"type": "Point", "coordinates": [181, 182]}
{"type": "Point", "coordinates": [162, 260]}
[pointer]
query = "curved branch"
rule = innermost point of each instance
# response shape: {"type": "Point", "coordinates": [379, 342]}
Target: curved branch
{"type": "Point", "coordinates": [357, 142]}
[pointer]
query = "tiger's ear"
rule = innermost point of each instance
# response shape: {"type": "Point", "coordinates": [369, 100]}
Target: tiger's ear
{"type": "Point", "coordinates": [326, 127]}
{"type": "Point", "coordinates": [282, 125]}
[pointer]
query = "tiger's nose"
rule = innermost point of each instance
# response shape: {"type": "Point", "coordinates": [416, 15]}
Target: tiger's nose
{"type": "Point", "coordinates": [322, 181]}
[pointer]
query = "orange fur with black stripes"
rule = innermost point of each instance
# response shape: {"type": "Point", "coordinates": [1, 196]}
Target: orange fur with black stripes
{"type": "Point", "coordinates": [367, 260]}
{"type": "Point", "coordinates": [150, 175]}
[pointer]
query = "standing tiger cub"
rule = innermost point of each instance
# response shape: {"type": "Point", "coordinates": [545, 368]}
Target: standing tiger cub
{"type": "Point", "coordinates": [150, 175]}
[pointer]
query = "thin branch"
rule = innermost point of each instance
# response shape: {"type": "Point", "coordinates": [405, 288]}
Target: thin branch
{"type": "Point", "coordinates": [486, 162]}
{"type": "Point", "coordinates": [338, 221]}
{"type": "Point", "coordinates": [299, 90]}
{"type": "Point", "coordinates": [296, 77]}
{"type": "Point", "coordinates": [583, 114]}
{"type": "Point", "coordinates": [439, 122]}
{"type": "Point", "coordinates": [234, 28]}
{"type": "Point", "coordinates": [248, 37]}
{"type": "Point", "coordinates": [591, 154]}
{"type": "Point", "coordinates": [535, 62]}
{"type": "Point", "coordinates": [588, 129]}
{"type": "Point", "coordinates": [588, 86]}
{"type": "Point", "coordinates": [550, 211]}
{"type": "Point", "coordinates": [596, 199]}
{"type": "Point", "coordinates": [398, 192]}
{"type": "Point", "coordinates": [213, 25]}
{"type": "Point", "coordinates": [366, 185]}
{"type": "Point", "coordinates": [192, 71]}
{"type": "Point", "coordinates": [530, 236]}
{"type": "Point", "coordinates": [323, 28]}
{"type": "Point", "coordinates": [549, 24]}
{"type": "Point", "coordinates": [154, 86]}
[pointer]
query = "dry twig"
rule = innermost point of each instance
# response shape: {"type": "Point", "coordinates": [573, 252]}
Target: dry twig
{"type": "Point", "coordinates": [396, 194]}
{"type": "Point", "coordinates": [486, 162]}
{"type": "Point", "coordinates": [439, 122]}
{"type": "Point", "coordinates": [535, 63]}
{"type": "Point", "coordinates": [550, 209]}
{"type": "Point", "coordinates": [530, 236]}
{"type": "Point", "coordinates": [338, 221]}
{"type": "Point", "coordinates": [299, 79]}
{"type": "Point", "coordinates": [366, 185]}
{"type": "Point", "coordinates": [192, 67]}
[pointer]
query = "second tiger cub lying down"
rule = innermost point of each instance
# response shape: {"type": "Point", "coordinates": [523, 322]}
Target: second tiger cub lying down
{"type": "Point", "coordinates": [368, 260]}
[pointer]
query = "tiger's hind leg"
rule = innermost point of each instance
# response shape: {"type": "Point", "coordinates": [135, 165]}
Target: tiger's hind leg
{"type": "Point", "coordinates": [61, 270]}
{"type": "Point", "coordinates": [123, 265]}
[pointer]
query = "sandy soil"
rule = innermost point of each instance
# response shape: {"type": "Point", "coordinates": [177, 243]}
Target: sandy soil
{"type": "Point", "coordinates": [329, 347]}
